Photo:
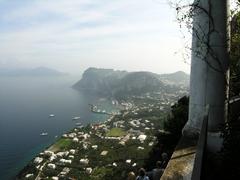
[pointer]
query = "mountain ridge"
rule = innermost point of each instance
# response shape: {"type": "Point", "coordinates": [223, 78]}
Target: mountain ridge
{"type": "Point", "coordinates": [110, 82]}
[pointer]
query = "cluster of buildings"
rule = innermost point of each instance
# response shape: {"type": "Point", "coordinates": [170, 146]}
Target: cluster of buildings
{"type": "Point", "coordinates": [92, 147]}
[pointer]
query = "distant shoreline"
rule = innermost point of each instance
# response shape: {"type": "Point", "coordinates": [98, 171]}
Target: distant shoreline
{"type": "Point", "coordinates": [52, 148]}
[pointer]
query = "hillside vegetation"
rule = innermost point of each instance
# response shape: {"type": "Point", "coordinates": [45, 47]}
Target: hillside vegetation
{"type": "Point", "coordinates": [111, 83]}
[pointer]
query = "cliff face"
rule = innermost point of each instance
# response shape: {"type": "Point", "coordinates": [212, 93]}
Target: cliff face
{"type": "Point", "coordinates": [137, 83]}
{"type": "Point", "coordinates": [118, 83]}
{"type": "Point", "coordinates": [102, 81]}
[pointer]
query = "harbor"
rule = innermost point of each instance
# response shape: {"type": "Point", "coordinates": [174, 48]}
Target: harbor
{"type": "Point", "coordinates": [95, 109]}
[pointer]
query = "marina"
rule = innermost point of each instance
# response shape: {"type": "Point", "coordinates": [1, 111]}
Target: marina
{"type": "Point", "coordinates": [96, 110]}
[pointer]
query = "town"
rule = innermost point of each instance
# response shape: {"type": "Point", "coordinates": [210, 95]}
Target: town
{"type": "Point", "coordinates": [110, 149]}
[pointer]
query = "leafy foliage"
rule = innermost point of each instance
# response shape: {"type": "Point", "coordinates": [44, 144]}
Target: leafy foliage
{"type": "Point", "coordinates": [173, 126]}
{"type": "Point", "coordinates": [178, 117]}
{"type": "Point", "coordinates": [230, 156]}
{"type": "Point", "coordinates": [235, 57]}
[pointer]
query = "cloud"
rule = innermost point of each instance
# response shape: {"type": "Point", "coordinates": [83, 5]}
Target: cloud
{"type": "Point", "coordinates": [71, 33]}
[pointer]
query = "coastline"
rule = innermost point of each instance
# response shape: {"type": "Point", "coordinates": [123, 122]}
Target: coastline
{"type": "Point", "coordinates": [98, 150]}
{"type": "Point", "coordinates": [51, 147]}
{"type": "Point", "coordinates": [83, 152]}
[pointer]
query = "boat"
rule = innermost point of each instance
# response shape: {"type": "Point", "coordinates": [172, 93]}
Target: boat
{"type": "Point", "coordinates": [78, 124]}
{"type": "Point", "coordinates": [44, 134]}
{"type": "Point", "coordinates": [75, 118]}
{"type": "Point", "coordinates": [51, 115]}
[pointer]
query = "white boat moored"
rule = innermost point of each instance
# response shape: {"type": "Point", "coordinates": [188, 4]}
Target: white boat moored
{"type": "Point", "coordinates": [76, 118]}
{"type": "Point", "coordinates": [44, 134]}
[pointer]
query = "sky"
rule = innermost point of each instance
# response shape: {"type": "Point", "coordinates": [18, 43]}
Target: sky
{"type": "Point", "coordinates": [72, 35]}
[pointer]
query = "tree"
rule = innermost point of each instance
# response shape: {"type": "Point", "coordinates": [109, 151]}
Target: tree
{"type": "Point", "coordinates": [235, 56]}
{"type": "Point", "coordinates": [178, 117]}
{"type": "Point", "coordinates": [173, 127]}
{"type": "Point", "coordinates": [230, 156]}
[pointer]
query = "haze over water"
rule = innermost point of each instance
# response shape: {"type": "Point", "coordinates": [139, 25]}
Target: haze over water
{"type": "Point", "coordinates": [25, 105]}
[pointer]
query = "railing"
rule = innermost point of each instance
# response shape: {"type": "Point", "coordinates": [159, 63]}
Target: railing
{"type": "Point", "coordinates": [201, 147]}
{"type": "Point", "coordinates": [187, 160]}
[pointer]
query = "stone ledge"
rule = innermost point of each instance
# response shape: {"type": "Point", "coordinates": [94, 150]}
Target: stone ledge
{"type": "Point", "coordinates": [180, 166]}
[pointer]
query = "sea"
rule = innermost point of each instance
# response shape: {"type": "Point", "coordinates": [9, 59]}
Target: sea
{"type": "Point", "coordinates": [25, 106]}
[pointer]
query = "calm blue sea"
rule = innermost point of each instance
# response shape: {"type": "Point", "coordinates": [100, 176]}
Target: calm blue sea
{"type": "Point", "coordinates": [25, 105]}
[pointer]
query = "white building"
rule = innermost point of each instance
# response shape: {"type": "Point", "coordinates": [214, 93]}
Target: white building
{"type": "Point", "coordinates": [72, 151]}
{"type": "Point", "coordinates": [52, 166]}
{"type": "Point", "coordinates": [29, 175]}
{"type": "Point", "coordinates": [84, 161]}
{"type": "Point", "coordinates": [140, 148]}
{"type": "Point", "coordinates": [104, 153]}
{"type": "Point", "coordinates": [65, 161]}
{"type": "Point", "coordinates": [75, 139]}
{"type": "Point", "coordinates": [53, 157]}
{"type": "Point", "coordinates": [94, 147]}
{"type": "Point", "coordinates": [48, 153]}
{"type": "Point", "coordinates": [38, 160]}
{"type": "Point", "coordinates": [142, 137]}
{"type": "Point", "coordinates": [128, 161]}
{"type": "Point", "coordinates": [89, 170]}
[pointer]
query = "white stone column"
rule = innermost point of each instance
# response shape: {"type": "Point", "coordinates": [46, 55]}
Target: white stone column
{"type": "Point", "coordinates": [209, 65]}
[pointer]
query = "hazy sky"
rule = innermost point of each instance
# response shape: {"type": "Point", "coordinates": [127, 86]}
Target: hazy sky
{"type": "Point", "coordinates": [72, 35]}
